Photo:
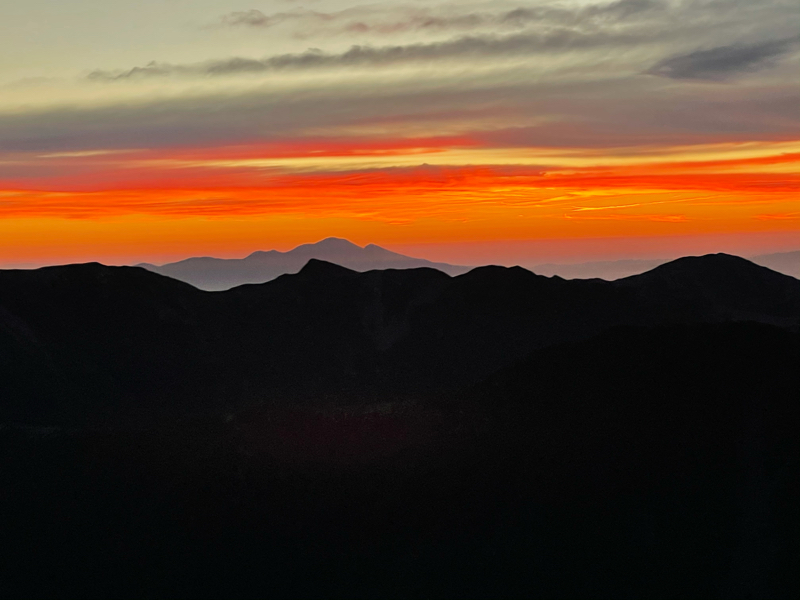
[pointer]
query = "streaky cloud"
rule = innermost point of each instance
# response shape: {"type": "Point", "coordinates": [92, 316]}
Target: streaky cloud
{"type": "Point", "coordinates": [383, 21]}
{"type": "Point", "coordinates": [559, 40]}
{"type": "Point", "coordinates": [585, 115]}
{"type": "Point", "coordinates": [724, 62]}
{"type": "Point", "coordinates": [248, 18]}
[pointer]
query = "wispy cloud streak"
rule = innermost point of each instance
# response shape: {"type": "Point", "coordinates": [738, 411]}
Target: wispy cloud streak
{"type": "Point", "coordinates": [393, 20]}
{"type": "Point", "coordinates": [462, 48]}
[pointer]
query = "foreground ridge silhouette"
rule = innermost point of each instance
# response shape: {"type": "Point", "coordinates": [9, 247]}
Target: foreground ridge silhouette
{"type": "Point", "coordinates": [400, 433]}
{"type": "Point", "coordinates": [84, 342]}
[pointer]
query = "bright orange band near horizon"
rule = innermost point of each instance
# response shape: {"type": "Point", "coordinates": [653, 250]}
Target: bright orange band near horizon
{"type": "Point", "coordinates": [118, 206]}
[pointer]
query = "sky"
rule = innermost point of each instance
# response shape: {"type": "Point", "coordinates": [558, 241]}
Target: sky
{"type": "Point", "coordinates": [470, 132]}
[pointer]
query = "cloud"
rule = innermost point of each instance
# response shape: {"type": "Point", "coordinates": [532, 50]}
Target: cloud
{"type": "Point", "coordinates": [466, 47]}
{"type": "Point", "coordinates": [724, 62]}
{"type": "Point", "coordinates": [394, 20]}
{"type": "Point", "coordinates": [596, 114]}
{"type": "Point", "coordinates": [766, 30]}
{"type": "Point", "coordinates": [256, 19]}
{"type": "Point", "coordinates": [248, 18]}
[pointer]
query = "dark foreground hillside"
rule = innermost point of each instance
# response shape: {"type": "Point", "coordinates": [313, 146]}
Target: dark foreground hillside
{"type": "Point", "coordinates": [638, 463]}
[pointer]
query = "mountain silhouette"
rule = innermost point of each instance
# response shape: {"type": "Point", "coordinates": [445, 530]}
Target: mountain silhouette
{"type": "Point", "coordinates": [787, 263]}
{"type": "Point", "coordinates": [639, 463]}
{"type": "Point", "coordinates": [220, 274]}
{"type": "Point", "coordinates": [89, 340]}
{"type": "Point", "coordinates": [400, 432]}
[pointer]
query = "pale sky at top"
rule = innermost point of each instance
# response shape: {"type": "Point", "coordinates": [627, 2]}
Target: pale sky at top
{"type": "Point", "coordinates": [47, 38]}
{"type": "Point", "coordinates": [638, 111]}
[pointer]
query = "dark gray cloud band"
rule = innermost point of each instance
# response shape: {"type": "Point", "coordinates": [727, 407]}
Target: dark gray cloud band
{"type": "Point", "coordinates": [724, 62]}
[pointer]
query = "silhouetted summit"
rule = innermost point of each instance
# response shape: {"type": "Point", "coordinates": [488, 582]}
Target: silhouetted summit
{"type": "Point", "coordinates": [710, 270]}
{"type": "Point", "coordinates": [720, 286]}
{"type": "Point", "coordinates": [787, 263]}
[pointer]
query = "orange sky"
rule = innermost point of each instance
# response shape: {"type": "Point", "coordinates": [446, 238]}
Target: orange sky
{"type": "Point", "coordinates": [617, 137]}
{"type": "Point", "coordinates": [196, 201]}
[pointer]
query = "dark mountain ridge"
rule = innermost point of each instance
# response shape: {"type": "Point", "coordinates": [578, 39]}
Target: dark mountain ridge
{"type": "Point", "coordinates": [787, 263]}
{"type": "Point", "coordinates": [400, 434]}
{"type": "Point", "coordinates": [115, 336]}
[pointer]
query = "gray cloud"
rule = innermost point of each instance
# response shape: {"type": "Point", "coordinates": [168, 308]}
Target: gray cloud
{"type": "Point", "coordinates": [249, 18]}
{"type": "Point", "coordinates": [658, 27]}
{"type": "Point", "coordinates": [724, 62]}
{"type": "Point", "coordinates": [388, 21]}
{"type": "Point", "coordinates": [608, 113]}
{"type": "Point", "coordinates": [256, 19]}
{"type": "Point", "coordinates": [557, 40]}
{"type": "Point", "coordinates": [609, 108]}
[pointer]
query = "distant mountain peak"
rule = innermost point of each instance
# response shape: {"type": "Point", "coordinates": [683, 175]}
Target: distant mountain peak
{"type": "Point", "coordinates": [335, 243]}
{"type": "Point", "coordinates": [262, 266]}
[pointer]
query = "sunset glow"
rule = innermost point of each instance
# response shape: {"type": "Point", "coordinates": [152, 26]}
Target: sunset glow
{"type": "Point", "coordinates": [490, 134]}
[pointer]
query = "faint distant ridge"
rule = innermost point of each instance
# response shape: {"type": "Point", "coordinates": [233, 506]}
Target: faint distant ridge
{"type": "Point", "coordinates": [787, 263]}
{"type": "Point", "coordinates": [259, 267]}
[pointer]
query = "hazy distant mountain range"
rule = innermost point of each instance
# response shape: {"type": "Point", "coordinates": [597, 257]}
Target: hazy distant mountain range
{"type": "Point", "coordinates": [787, 263]}
{"type": "Point", "coordinates": [215, 274]}
{"type": "Point", "coordinates": [209, 273]}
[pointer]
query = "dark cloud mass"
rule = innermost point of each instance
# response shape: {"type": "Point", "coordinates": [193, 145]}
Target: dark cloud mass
{"type": "Point", "coordinates": [724, 62]}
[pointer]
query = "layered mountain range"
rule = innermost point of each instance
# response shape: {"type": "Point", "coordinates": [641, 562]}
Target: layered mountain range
{"type": "Point", "coordinates": [215, 274]}
{"type": "Point", "coordinates": [90, 341]}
